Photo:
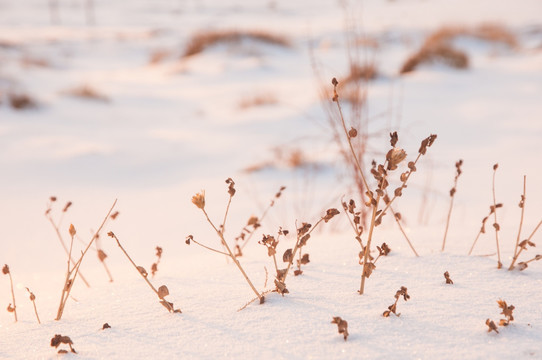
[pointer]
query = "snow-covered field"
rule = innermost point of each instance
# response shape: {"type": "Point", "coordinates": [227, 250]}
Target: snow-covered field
{"type": "Point", "coordinates": [164, 130]}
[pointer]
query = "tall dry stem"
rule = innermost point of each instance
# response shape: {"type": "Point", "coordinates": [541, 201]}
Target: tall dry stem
{"type": "Point", "coordinates": [452, 196]}
{"type": "Point", "coordinates": [71, 274]}
{"type": "Point", "coordinates": [496, 224]}
{"type": "Point", "coordinates": [522, 206]}
{"type": "Point", "coordinates": [13, 309]}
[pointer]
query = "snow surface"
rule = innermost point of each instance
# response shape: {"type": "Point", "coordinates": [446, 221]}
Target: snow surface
{"type": "Point", "coordinates": [171, 129]}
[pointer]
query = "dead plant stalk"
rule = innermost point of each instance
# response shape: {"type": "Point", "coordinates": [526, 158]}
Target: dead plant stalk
{"type": "Point", "coordinates": [522, 206]}
{"type": "Point", "coordinates": [71, 273]}
{"type": "Point", "coordinates": [6, 271]}
{"type": "Point", "coordinates": [496, 224]}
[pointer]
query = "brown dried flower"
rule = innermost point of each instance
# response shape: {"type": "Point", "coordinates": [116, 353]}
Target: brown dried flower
{"type": "Point", "coordinates": [199, 199]}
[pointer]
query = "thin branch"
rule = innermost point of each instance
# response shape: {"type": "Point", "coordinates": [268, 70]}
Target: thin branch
{"type": "Point", "coordinates": [522, 205]}
{"type": "Point", "coordinates": [496, 224]}
{"type": "Point", "coordinates": [164, 302]}
{"type": "Point", "coordinates": [398, 221]}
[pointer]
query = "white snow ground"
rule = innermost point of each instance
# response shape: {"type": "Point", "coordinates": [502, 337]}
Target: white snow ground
{"type": "Point", "coordinates": [174, 128]}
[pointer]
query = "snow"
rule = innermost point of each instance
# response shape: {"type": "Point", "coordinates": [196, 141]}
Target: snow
{"type": "Point", "coordinates": [173, 128]}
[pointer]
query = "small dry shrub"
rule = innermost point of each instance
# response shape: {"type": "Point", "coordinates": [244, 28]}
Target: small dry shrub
{"type": "Point", "coordinates": [203, 40]}
{"type": "Point", "coordinates": [59, 339]}
{"type": "Point", "coordinates": [21, 101]}
{"type": "Point", "coordinates": [438, 46]}
{"type": "Point", "coordinates": [86, 92]}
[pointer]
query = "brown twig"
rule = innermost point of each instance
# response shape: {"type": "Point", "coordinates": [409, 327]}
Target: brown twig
{"type": "Point", "coordinates": [33, 299]}
{"type": "Point", "coordinates": [523, 246]}
{"type": "Point", "coordinates": [522, 206]}
{"type": "Point", "coordinates": [6, 271]}
{"type": "Point", "coordinates": [68, 284]}
{"type": "Point", "coordinates": [496, 224]}
{"type": "Point", "coordinates": [452, 197]}
{"type": "Point", "coordinates": [143, 273]}
{"type": "Point", "coordinates": [398, 221]}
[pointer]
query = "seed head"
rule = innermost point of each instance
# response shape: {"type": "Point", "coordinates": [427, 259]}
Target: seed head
{"type": "Point", "coordinates": [199, 199]}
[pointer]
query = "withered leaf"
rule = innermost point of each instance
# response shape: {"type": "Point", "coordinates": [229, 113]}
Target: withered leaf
{"type": "Point", "coordinates": [280, 274]}
{"type": "Point", "coordinates": [163, 291]}
{"type": "Point", "coordinates": [114, 215]}
{"type": "Point", "coordinates": [305, 227]}
{"type": "Point", "coordinates": [154, 269]}
{"type": "Point", "coordinates": [447, 277]}
{"type": "Point", "coordinates": [394, 138]}
{"type": "Point", "coordinates": [342, 326]}
{"type": "Point", "coordinates": [507, 310]}
{"type": "Point", "coordinates": [330, 213]}
{"type": "Point", "coordinates": [304, 239]}
{"type": "Point", "coordinates": [368, 269]}
{"type": "Point", "coordinates": [352, 133]}
{"type": "Point", "coordinates": [496, 226]}
{"type": "Point", "coordinates": [491, 326]}
{"type": "Point", "coordinates": [253, 220]}
{"type": "Point", "coordinates": [142, 271]}
{"type": "Point", "coordinates": [106, 326]}
{"type": "Point", "coordinates": [231, 184]}
{"type": "Point", "coordinates": [271, 251]}
{"type": "Point", "coordinates": [305, 259]}
{"type": "Point", "coordinates": [398, 192]}
{"type": "Point", "coordinates": [281, 287]}
{"type": "Point", "coordinates": [298, 272]}
{"type": "Point", "coordinates": [287, 256]}
{"type": "Point", "coordinates": [59, 339]}
{"type": "Point", "coordinates": [101, 255]}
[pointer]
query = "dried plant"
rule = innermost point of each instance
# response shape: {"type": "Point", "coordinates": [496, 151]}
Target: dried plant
{"type": "Point", "coordinates": [253, 223]}
{"type": "Point", "coordinates": [11, 308]}
{"type": "Point", "coordinates": [33, 299]}
{"type": "Point", "coordinates": [21, 101]}
{"type": "Point", "coordinates": [342, 326]}
{"type": "Point", "coordinates": [106, 326]}
{"type": "Point", "coordinates": [59, 339]}
{"type": "Point", "coordinates": [303, 236]}
{"type": "Point", "coordinates": [86, 92]}
{"type": "Point", "coordinates": [203, 40]}
{"type": "Point", "coordinates": [154, 266]}
{"type": "Point", "coordinates": [72, 272]}
{"type": "Point", "coordinates": [448, 279]}
{"type": "Point", "coordinates": [483, 227]}
{"type": "Point", "coordinates": [491, 326]}
{"type": "Point", "coordinates": [496, 225]}
{"type": "Point", "coordinates": [199, 201]}
{"type": "Point", "coordinates": [271, 243]}
{"type": "Point", "coordinates": [56, 226]}
{"type": "Point", "coordinates": [162, 291]}
{"type": "Point", "coordinates": [523, 245]}
{"type": "Point", "coordinates": [507, 311]}
{"type": "Point", "coordinates": [393, 307]}
{"type": "Point", "coordinates": [438, 46]}
{"type": "Point", "coordinates": [262, 99]}
{"type": "Point", "coordinates": [452, 195]}
{"type": "Point", "coordinates": [380, 173]}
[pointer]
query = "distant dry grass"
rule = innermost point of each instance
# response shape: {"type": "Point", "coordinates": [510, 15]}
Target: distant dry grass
{"type": "Point", "coordinates": [21, 101]}
{"type": "Point", "coordinates": [158, 56]}
{"type": "Point", "coordinates": [438, 46]}
{"type": "Point", "coordinates": [262, 99]}
{"type": "Point", "coordinates": [86, 92]}
{"type": "Point", "coordinates": [203, 40]}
